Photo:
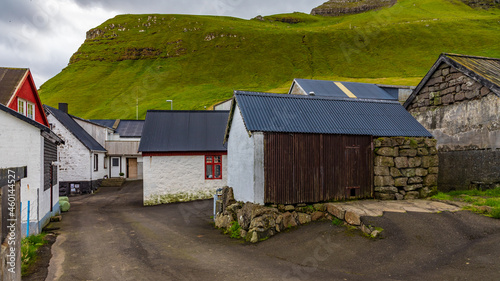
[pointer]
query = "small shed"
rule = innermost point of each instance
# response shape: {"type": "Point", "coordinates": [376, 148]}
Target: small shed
{"type": "Point", "coordinates": [183, 154]}
{"type": "Point", "coordinates": [458, 101]}
{"type": "Point", "coordinates": [287, 149]}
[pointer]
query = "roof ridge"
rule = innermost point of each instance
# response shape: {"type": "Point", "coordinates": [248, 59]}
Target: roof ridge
{"type": "Point", "coordinates": [315, 97]}
{"type": "Point", "coordinates": [469, 56]}
{"type": "Point", "coordinates": [185, 111]}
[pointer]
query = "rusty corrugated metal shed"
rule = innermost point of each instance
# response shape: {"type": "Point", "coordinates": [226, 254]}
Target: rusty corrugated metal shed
{"type": "Point", "coordinates": [263, 112]}
{"type": "Point", "coordinates": [183, 131]}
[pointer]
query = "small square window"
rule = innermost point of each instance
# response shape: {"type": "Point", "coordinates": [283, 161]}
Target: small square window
{"type": "Point", "coordinates": [213, 167]}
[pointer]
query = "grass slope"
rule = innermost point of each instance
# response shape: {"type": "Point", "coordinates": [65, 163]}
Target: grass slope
{"type": "Point", "coordinates": [198, 61]}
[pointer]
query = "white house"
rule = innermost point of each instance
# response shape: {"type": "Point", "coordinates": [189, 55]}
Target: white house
{"type": "Point", "coordinates": [183, 154]}
{"type": "Point", "coordinates": [82, 159]}
{"type": "Point", "coordinates": [27, 141]}
{"type": "Point", "coordinates": [122, 145]}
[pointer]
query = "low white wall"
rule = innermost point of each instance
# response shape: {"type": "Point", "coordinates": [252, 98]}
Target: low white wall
{"type": "Point", "coordinates": [178, 178]}
{"type": "Point", "coordinates": [245, 162]}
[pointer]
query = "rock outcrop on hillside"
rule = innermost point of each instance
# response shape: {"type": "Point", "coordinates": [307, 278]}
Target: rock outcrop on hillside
{"type": "Point", "coordinates": [334, 8]}
{"type": "Point", "coordinates": [483, 4]}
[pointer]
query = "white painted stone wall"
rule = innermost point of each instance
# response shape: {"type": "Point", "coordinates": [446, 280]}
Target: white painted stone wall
{"type": "Point", "coordinates": [75, 161]}
{"type": "Point", "coordinates": [179, 178]}
{"type": "Point", "coordinates": [297, 90]}
{"type": "Point", "coordinates": [224, 105]}
{"type": "Point", "coordinates": [245, 162]}
{"type": "Point", "coordinates": [21, 144]}
{"type": "Point", "coordinates": [101, 172]}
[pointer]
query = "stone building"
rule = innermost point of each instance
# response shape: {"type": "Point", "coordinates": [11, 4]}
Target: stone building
{"type": "Point", "coordinates": [458, 101]}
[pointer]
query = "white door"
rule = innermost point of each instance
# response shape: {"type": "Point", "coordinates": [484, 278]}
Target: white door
{"type": "Point", "coordinates": [115, 167]}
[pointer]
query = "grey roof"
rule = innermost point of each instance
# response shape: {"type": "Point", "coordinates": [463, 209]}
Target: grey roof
{"type": "Point", "coordinates": [264, 112]}
{"type": "Point", "coordinates": [46, 132]}
{"type": "Point", "coordinates": [70, 124]}
{"type": "Point", "coordinates": [330, 89]}
{"type": "Point", "coordinates": [184, 131]}
{"type": "Point", "coordinates": [104, 122]}
{"type": "Point", "coordinates": [482, 69]}
{"type": "Point", "coordinates": [130, 128]}
{"type": "Point", "coordinates": [9, 81]}
{"type": "Point", "coordinates": [126, 128]}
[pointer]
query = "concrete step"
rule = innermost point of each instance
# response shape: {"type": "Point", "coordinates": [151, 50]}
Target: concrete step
{"type": "Point", "coordinates": [113, 182]}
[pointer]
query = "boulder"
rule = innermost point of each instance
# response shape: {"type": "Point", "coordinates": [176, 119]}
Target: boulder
{"type": "Point", "coordinates": [319, 207]}
{"type": "Point", "coordinates": [289, 208]}
{"type": "Point", "coordinates": [352, 218]}
{"type": "Point", "coordinates": [303, 218]}
{"type": "Point", "coordinates": [317, 216]}
{"type": "Point", "coordinates": [223, 221]}
{"type": "Point", "coordinates": [289, 220]}
{"type": "Point", "coordinates": [335, 210]}
{"type": "Point", "coordinates": [245, 214]}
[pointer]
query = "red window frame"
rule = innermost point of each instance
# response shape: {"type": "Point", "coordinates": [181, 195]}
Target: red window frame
{"type": "Point", "coordinates": [210, 160]}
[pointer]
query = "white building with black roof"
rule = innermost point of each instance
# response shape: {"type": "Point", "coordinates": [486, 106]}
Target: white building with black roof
{"type": "Point", "coordinates": [183, 154]}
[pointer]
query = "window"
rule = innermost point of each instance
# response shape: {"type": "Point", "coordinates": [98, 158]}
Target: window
{"type": "Point", "coordinates": [213, 167]}
{"type": "Point", "coordinates": [96, 162]}
{"type": "Point", "coordinates": [26, 108]}
{"type": "Point", "coordinates": [115, 162]}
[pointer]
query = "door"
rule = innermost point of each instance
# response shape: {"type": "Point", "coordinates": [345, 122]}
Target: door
{"type": "Point", "coordinates": [353, 176]}
{"type": "Point", "coordinates": [115, 167]}
{"type": "Point", "coordinates": [132, 168]}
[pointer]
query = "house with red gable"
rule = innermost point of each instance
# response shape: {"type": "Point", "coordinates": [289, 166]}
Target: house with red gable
{"type": "Point", "coordinates": [26, 140]}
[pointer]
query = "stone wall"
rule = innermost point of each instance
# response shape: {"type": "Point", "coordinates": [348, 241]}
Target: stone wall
{"type": "Point", "coordinates": [405, 168]}
{"type": "Point", "coordinates": [462, 114]}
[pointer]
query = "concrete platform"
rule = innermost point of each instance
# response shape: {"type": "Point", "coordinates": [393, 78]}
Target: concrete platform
{"type": "Point", "coordinates": [352, 211]}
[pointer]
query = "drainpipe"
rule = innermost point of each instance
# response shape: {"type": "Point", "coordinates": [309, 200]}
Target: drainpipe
{"type": "Point", "coordinates": [91, 167]}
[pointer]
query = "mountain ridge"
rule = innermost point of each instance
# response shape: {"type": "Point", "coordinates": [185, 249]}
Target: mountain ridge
{"type": "Point", "coordinates": [198, 61]}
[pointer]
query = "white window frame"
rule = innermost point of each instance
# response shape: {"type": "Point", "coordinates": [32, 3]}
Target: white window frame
{"type": "Point", "coordinates": [24, 110]}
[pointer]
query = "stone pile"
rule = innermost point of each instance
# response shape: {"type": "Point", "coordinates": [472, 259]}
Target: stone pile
{"type": "Point", "coordinates": [405, 168]}
{"type": "Point", "coordinates": [257, 222]}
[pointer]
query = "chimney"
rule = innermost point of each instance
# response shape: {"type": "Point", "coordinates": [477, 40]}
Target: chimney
{"type": "Point", "coordinates": [63, 107]}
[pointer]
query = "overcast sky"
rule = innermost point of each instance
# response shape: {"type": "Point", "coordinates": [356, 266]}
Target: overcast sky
{"type": "Point", "coordinates": [43, 34]}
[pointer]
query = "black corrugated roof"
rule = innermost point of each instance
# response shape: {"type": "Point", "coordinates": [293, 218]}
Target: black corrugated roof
{"type": "Point", "coordinates": [263, 112]}
{"type": "Point", "coordinates": [183, 131]}
{"type": "Point", "coordinates": [75, 129]}
{"type": "Point", "coordinates": [9, 80]}
{"type": "Point", "coordinates": [482, 69]}
{"type": "Point", "coordinates": [330, 89]}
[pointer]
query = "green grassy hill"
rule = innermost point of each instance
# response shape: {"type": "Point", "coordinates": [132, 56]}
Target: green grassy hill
{"type": "Point", "coordinates": [197, 61]}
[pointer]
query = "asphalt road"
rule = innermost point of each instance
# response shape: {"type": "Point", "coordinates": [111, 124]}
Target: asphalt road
{"type": "Point", "coordinates": [111, 236]}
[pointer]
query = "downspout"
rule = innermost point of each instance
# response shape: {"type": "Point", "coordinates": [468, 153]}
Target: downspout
{"type": "Point", "coordinates": [91, 167]}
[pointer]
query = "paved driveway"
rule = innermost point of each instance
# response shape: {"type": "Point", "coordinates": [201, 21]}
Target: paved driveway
{"type": "Point", "coordinates": [111, 236]}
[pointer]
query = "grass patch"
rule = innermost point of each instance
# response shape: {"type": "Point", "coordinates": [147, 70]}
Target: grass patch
{"type": "Point", "coordinates": [29, 247]}
{"type": "Point", "coordinates": [337, 221]}
{"type": "Point", "coordinates": [235, 230]}
{"type": "Point", "coordinates": [478, 199]}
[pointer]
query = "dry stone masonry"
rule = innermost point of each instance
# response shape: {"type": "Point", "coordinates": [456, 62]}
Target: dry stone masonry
{"type": "Point", "coordinates": [405, 168]}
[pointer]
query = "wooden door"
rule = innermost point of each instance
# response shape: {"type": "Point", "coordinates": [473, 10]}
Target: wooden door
{"type": "Point", "coordinates": [132, 168]}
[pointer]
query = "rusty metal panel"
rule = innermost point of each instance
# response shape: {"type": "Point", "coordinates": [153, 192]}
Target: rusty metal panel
{"type": "Point", "coordinates": [307, 168]}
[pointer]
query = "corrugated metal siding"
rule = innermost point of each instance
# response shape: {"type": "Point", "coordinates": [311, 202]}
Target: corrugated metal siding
{"type": "Point", "coordinates": [321, 115]}
{"type": "Point", "coordinates": [49, 156]}
{"type": "Point", "coordinates": [307, 168]}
